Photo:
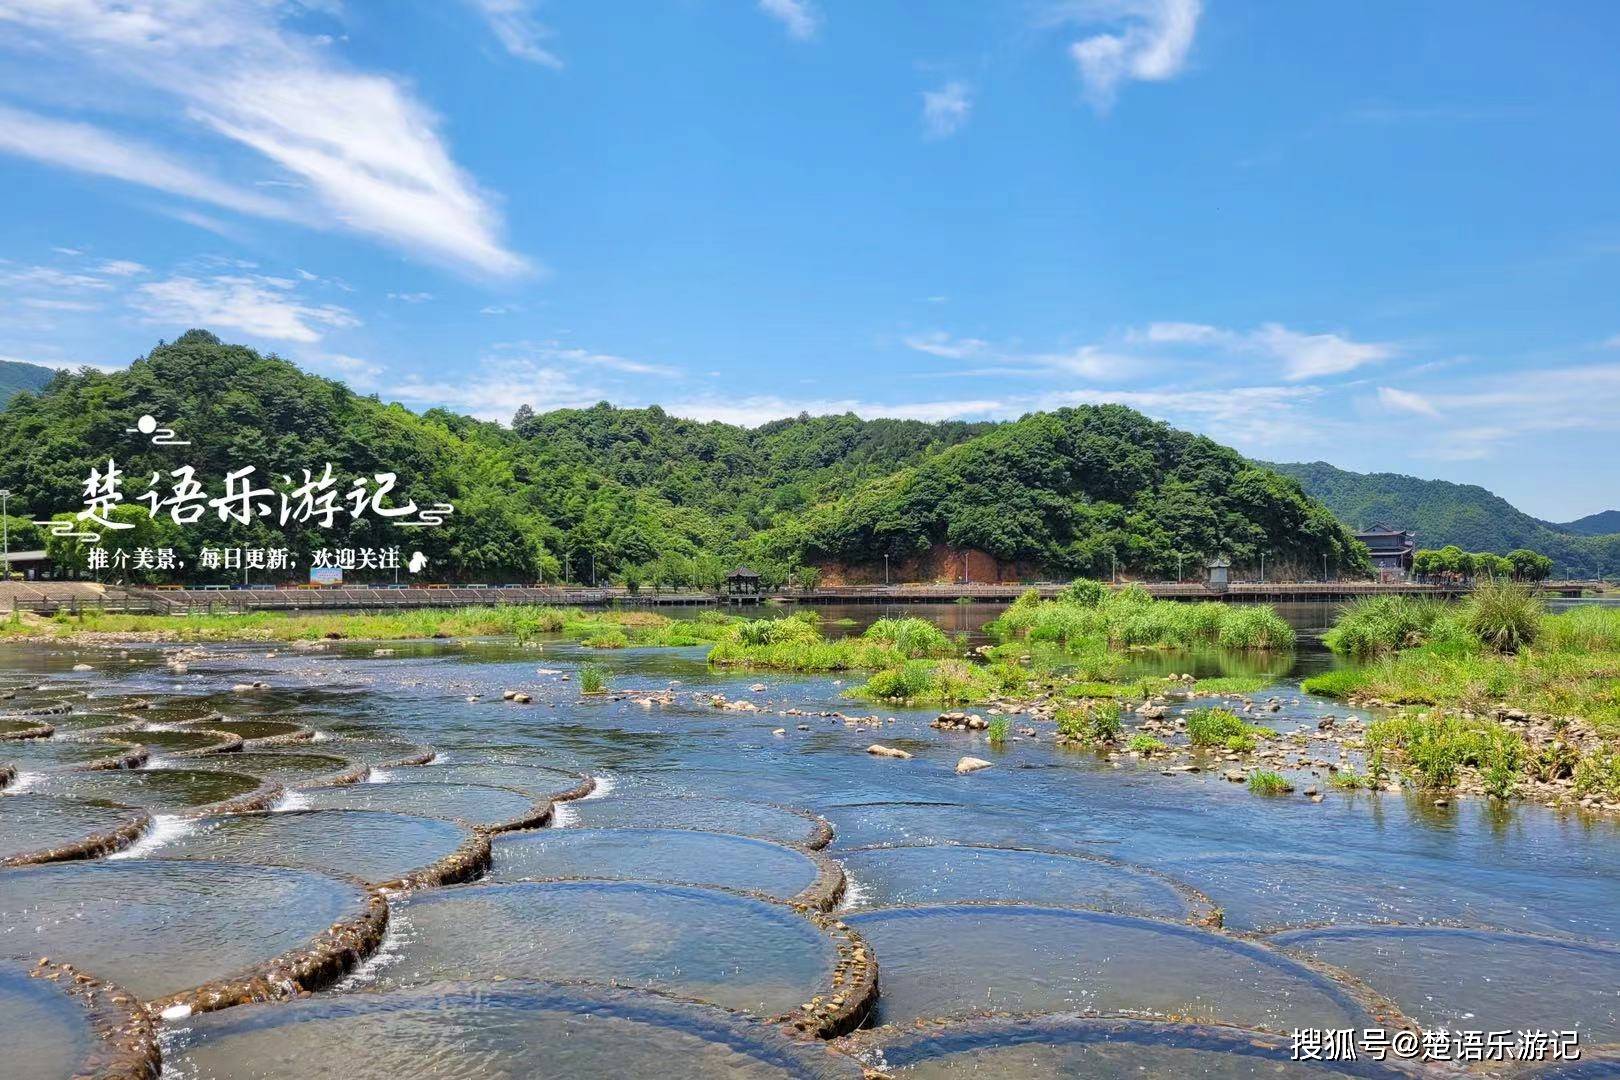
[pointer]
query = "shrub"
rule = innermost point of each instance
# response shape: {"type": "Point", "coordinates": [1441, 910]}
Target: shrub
{"type": "Point", "coordinates": [1504, 615]}
{"type": "Point", "coordinates": [607, 639]}
{"type": "Point", "coordinates": [1266, 782]}
{"type": "Point", "coordinates": [1084, 592]}
{"type": "Point", "coordinates": [1598, 773]}
{"type": "Point", "coordinates": [1212, 727]}
{"type": "Point", "coordinates": [1146, 745]}
{"type": "Point", "coordinates": [1376, 625]}
{"type": "Point", "coordinates": [910, 637]}
{"type": "Point", "coordinates": [997, 731]}
{"type": "Point", "coordinates": [1092, 724]}
{"type": "Point", "coordinates": [593, 678]}
{"type": "Point", "coordinates": [1438, 747]}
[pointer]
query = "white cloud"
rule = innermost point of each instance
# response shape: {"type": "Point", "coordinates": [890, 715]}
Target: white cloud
{"type": "Point", "coordinates": [411, 297]}
{"type": "Point", "coordinates": [1612, 343]}
{"type": "Point", "coordinates": [121, 268]}
{"type": "Point", "coordinates": [1406, 401]}
{"type": "Point", "coordinates": [799, 16]}
{"type": "Point", "coordinates": [1304, 356]}
{"type": "Point", "coordinates": [1148, 41]}
{"type": "Point", "coordinates": [358, 373]}
{"type": "Point", "coordinates": [938, 343]}
{"type": "Point", "coordinates": [514, 25]}
{"type": "Point", "coordinates": [371, 158]}
{"type": "Point", "coordinates": [759, 409]}
{"type": "Point", "coordinates": [555, 353]}
{"type": "Point", "coordinates": [265, 307]}
{"type": "Point", "coordinates": [496, 389]}
{"type": "Point", "coordinates": [947, 109]}
{"type": "Point", "coordinates": [86, 148]}
{"type": "Point", "coordinates": [45, 303]}
{"type": "Point", "coordinates": [1087, 361]}
{"type": "Point", "coordinates": [61, 365]}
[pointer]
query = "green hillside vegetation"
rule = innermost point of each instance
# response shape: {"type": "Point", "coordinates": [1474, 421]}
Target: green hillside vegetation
{"type": "Point", "coordinates": [1443, 514]}
{"type": "Point", "coordinates": [648, 499]}
{"type": "Point", "coordinates": [16, 377]}
{"type": "Point", "coordinates": [1604, 523]}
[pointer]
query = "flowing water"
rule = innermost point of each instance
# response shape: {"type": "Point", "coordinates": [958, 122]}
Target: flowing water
{"type": "Point", "coordinates": [687, 853]}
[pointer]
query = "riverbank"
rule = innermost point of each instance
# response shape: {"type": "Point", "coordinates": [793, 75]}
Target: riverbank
{"type": "Point", "coordinates": [1498, 697]}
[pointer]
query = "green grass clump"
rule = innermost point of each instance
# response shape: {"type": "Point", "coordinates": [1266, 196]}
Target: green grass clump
{"type": "Point", "coordinates": [795, 643]}
{"type": "Point", "coordinates": [1376, 625]}
{"type": "Point", "coordinates": [1093, 724]}
{"type": "Point", "coordinates": [593, 678]}
{"type": "Point", "coordinates": [1266, 782]}
{"type": "Point", "coordinates": [927, 682]}
{"type": "Point", "coordinates": [1146, 745]}
{"type": "Point", "coordinates": [1338, 683]}
{"type": "Point", "coordinates": [1087, 615]}
{"type": "Point", "coordinates": [1223, 727]}
{"type": "Point", "coordinates": [1437, 748]}
{"type": "Point", "coordinates": [607, 639]}
{"type": "Point", "coordinates": [997, 731]}
{"type": "Point", "coordinates": [1350, 780]}
{"type": "Point", "coordinates": [1503, 615]}
{"type": "Point", "coordinates": [1233, 684]}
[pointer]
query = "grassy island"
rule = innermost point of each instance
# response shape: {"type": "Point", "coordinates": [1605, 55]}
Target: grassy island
{"type": "Point", "coordinates": [1514, 696]}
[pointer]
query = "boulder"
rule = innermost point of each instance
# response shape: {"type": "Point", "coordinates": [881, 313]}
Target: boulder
{"type": "Point", "coordinates": [879, 750]}
{"type": "Point", "coordinates": [971, 765]}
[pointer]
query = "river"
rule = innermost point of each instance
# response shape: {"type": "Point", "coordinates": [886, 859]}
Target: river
{"type": "Point", "coordinates": [668, 920]}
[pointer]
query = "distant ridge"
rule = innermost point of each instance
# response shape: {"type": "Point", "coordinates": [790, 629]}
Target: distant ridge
{"type": "Point", "coordinates": [1473, 518]}
{"type": "Point", "coordinates": [16, 375]}
{"type": "Point", "coordinates": [1603, 523]}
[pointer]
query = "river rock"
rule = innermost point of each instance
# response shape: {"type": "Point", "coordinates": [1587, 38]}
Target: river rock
{"type": "Point", "coordinates": [879, 750]}
{"type": "Point", "coordinates": [971, 765]}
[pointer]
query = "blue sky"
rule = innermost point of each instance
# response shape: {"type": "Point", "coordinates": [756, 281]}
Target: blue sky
{"type": "Point", "coordinates": [1381, 234]}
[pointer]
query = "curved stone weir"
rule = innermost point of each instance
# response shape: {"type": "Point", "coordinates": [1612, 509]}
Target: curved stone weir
{"type": "Point", "coordinates": [57, 753]}
{"type": "Point", "coordinates": [170, 743]}
{"type": "Point", "coordinates": [258, 733]}
{"type": "Point", "coordinates": [48, 828]}
{"type": "Point", "coordinates": [492, 809]}
{"type": "Point", "coordinates": [946, 873]}
{"type": "Point", "coordinates": [1447, 977]}
{"type": "Point", "coordinates": [765, 821]}
{"type": "Point", "coordinates": [379, 753]}
{"type": "Point", "coordinates": [538, 1031]}
{"type": "Point", "coordinates": [729, 949]}
{"type": "Point", "coordinates": [556, 785]}
{"type": "Point", "coordinates": [60, 1024]}
{"type": "Point", "coordinates": [169, 791]}
{"type": "Point", "coordinates": [21, 727]}
{"type": "Point", "coordinates": [389, 850]}
{"type": "Point", "coordinates": [194, 933]}
{"type": "Point", "coordinates": [963, 959]}
{"type": "Point", "coordinates": [294, 769]}
{"type": "Point", "coordinates": [672, 856]}
{"type": "Point", "coordinates": [175, 710]}
{"type": "Point", "coordinates": [79, 723]}
{"type": "Point", "coordinates": [1097, 1048]}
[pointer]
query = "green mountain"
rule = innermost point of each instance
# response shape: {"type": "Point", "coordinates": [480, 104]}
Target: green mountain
{"type": "Point", "coordinates": [1444, 513]}
{"type": "Point", "coordinates": [1603, 523]}
{"type": "Point", "coordinates": [16, 375]}
{"type": "Point", "coordinates": [640, 493]}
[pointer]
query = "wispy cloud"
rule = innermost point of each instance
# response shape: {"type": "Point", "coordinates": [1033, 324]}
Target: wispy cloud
{"type": "Point", "coordinates": [564, 356]}
{"type": "Point", "coordinates": [799, 16]}
{"type": "Point", "coordinates": [411, 297]}
{"type": "Point", "coordinates": [520, 33]}
{"type": "Point", "coordinates": [1303, 355]}
{"type": "Point", "coordinates": [1406, 401]}
{"type": "Point", "coordinates": [946, 110]}
{"type": "Point", "coordinates": [90, 149]}
{"type": "Point", "coordinates": [1147, 41]}
{"type": "Point", "coordinates": [256, 304]}
{"type": "Point", "coordinates": [369, 157]}
{"type": "Point", "coordinates": [1087, 361]}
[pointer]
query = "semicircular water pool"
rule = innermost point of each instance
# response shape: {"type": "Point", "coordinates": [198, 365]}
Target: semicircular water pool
{"type": "Point", "coordinates": [703, 944]}
{"type": "Point", "coordinates": [520, 1029]}
{"type": "Point", "coordinates": [960, 959]}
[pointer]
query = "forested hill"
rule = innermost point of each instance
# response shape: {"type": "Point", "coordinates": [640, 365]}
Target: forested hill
{"type": "Point", "coordinates": [1444, 513]}
{"type": "Point", "coordinates": [1604, 523]}
{"type": "Point", "coordinates": [15, 376]}
{"type": "Point", "coordinates": [657, 498]}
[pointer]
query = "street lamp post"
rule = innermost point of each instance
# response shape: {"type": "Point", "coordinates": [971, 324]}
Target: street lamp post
{"type": "Point", "coordinates": [885, 568]}
{"type": "Point", "coordinates": [5, 534]}
{"type": "Point", "coordinates": [1324, 567]}
{"type": "Point", "coordinates": [1262, 567]}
